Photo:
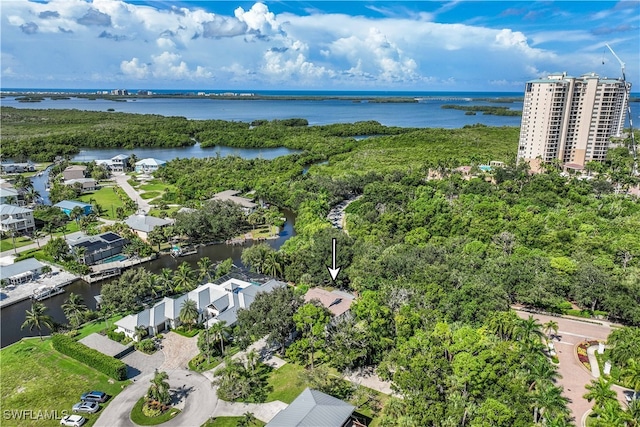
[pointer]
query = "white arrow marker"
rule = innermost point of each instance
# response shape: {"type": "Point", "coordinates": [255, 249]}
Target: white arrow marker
{"type": "Point", "coordinates": [335, 270]}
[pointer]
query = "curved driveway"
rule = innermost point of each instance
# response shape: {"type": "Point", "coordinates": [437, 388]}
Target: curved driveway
{"type": "Point", "coordinates": [574, 375]}
{"type": "Point", "coordinates": [196, 408]}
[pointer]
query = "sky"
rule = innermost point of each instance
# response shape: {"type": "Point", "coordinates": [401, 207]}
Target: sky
{"type": "Point", "coordinates": [312, 45]}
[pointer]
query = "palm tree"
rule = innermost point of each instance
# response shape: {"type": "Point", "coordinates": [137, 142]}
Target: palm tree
{"type": "Point", "coordinates": [204, 268]}
{"type": "Point", "coordinates": [159, 390]}
{"type": "Point", "coordinates": [36, 318]}
{"type": "Point", "coordinates": [74, 308]}
{"type": "Point", "coordinates": [631, 374]}
{"type": "Point", "coordinates": [600, 392]}
{"type": "Point", "coordinates": [551, 326]}
{"type": "Point", "coordinates": [189, 312]}
{"type": "Point", "coordinates": [248, 420]}
{"type": "Point", "coordinates": [551, 402]}
{"type": "Point", "coordinates": [76, 213]}
{"type": "Point", "coordinates": [166, 280]}
{"type": "Point", "coordinates": [633, 413]}
{"type": "Point", "coordinates": [271, 265]}
{"type": "Point", "coordinates": [529, 329]}
{"type": "Point", "coordinates": [541, 371]}
{"type": "Point", "coordinates": [183, 279]}
{"type": "Point", "coordinates": [219, 330]}
{"type": "Point", "coordinates": [37, 235]}
{"type": "Point", "coordinates": [252, 359]}
{"type": "Point", "coordinates": [140, 332]}
{"type": "Point", "coordinates": [610, 414]}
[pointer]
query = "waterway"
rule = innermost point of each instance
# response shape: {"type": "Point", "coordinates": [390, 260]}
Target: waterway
{"type": "Point", "coordinates": [14, 315]}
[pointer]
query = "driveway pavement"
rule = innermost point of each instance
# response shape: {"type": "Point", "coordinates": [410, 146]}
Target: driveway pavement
{"type": "Point", "coordinates": [574, 374]}
{"type": "Point", "coordinates": [198, 401]}
{"type": "Point", "coordinates": [140, 364]}
{"type": "Point", "coordinates": [178, 351]}
{"type": "Point", "coordinates": [121, 180]}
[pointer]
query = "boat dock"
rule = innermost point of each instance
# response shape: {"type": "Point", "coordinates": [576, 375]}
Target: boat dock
{"type": "Point", "coordinates": [108, 270]}
{"type": "Point", "coordinates": [58, 278]}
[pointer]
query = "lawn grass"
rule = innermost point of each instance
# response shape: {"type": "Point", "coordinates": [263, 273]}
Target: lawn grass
{"type": "Point", "coordinates": [154, 185]}
{"type": "Point", "coordinates": [286, 383]}
{"type": "Point", "coordinates": [107, 199]}
{"type": "Point", "coordinates": [96, 326]}
{"type": "Point", "coordinates": [150, 195]}
{"type": "Point", "coordinates": [229, 422]}
{"type": "Point", "coordinates": [36, 377]}
{"type": "Point", "coordinates": [7, 244]}
{"type": "Point", "coordinates": [141, 419]}
{"type": "Point", "coordinates": [161, 213]}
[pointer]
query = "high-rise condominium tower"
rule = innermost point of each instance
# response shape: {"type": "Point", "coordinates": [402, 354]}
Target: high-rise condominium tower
{"type": "Point", "coordinates": [571, 118]}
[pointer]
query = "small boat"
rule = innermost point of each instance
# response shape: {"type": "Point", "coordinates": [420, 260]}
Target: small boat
{"type": "Point", "coordinates": [177, 251]}
{"type": "Point", "coordinates": [44, 292]}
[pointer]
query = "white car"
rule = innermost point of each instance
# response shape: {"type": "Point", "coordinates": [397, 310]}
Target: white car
{"type": "Point", "coordinates": [86, 406]}
{"type": "Point", "coordinates": [73, 420]}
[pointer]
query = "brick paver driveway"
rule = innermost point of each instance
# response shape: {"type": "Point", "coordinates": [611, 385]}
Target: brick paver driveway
{"type": "Point", "coordinates": [574, 375]}
{"type": "Point", "coordinates": [178, 351]}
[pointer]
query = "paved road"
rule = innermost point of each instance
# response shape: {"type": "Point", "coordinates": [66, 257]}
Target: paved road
{"type": "Point", "coordinates": [197, 407]}
{"type": "Point", "coordinates": [122, 182]}
{"type": "Point", "coordinates": [574, 375]}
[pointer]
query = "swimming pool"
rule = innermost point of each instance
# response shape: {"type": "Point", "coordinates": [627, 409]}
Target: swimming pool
{"type": "Point", "coordinates": [114, 258]}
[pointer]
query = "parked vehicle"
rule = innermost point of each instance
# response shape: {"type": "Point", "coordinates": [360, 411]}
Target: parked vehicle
{"type": "Point", "coordinates": [86, 406]}
{"type": "Point", "coordinates": [73, 420]}
{"type": "Point", "coordinates": [631, 395]}
{"type": "Point", "coordinates": [94, 396]}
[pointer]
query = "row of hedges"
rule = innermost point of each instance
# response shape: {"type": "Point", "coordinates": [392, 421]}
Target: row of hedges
{"type": "Point", "coordinates": [106, 364]}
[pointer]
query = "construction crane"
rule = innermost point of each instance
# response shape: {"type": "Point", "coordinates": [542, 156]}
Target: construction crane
{"type": "Point", "coordinates": [627, 90]}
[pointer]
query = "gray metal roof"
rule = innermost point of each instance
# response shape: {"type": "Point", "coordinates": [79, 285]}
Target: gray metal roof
{"type": "Point", "coordinates": [20, 267]}
{"type": "Point", "coordinates": [146, 223]}
{"type": "Point", "coordinates": [313, 408]}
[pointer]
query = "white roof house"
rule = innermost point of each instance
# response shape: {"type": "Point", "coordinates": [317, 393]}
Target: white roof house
{"type": "Point", "coordinates": [149, 165]}
{"type": "Point", "coordinates": [146, 223]}
{"type": "Point", "coordinates": [215, 303]}
{"type": "Point", "coordinates": [232, 196]}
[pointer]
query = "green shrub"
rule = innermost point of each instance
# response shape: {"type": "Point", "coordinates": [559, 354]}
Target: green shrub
{"type": "Point", "coordinates": [116, 336]}
{"type": "Point", "coordinates": [146, 346]}
{"type": "Point", "coordinates": [106, 364]}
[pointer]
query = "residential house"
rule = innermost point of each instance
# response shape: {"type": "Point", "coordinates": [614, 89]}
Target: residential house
{"type": "Point", "coordinates": [142, 225]}
{"type": "Point", "coordinates": [149, 165]}
{"type": "Point", "coordinates": [67, 207]}
{"type": "Point", "coordinates": [17, 167]}
{"type": "Point", "coordinates": [119, 163]}
{"type": "Point", "coordinates": [215, 302]}
{"type": "Point", "coordinates": [313, 408]}
{"type": "Point", "coordinates": [21, 271]}
{"type": "Point", "coordinates": [10, 196]}
{"type": "Point", "coordinates": [247, 205]}
{"type": "Point", "coordinates": [337, 302]}
{"type": "Point", "coordinates": [16, 219]}
{"type": "Point", "coordinates": [99, 248]}
{"type": "Point", "coordinates": [87, 184]}
{"type": "Point", "coordinates": [74, 172]}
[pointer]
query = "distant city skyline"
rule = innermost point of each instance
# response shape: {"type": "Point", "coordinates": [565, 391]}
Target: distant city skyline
{"type": "Point", "coordinates": [316, 45]}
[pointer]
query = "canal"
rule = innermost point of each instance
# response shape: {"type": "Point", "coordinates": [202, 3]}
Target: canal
{"type": "Point", "coordinates": [13, 316]}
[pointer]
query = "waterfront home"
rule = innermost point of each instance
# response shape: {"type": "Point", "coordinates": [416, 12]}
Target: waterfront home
{"type": "Point", "coordinates": [97, 249]}
{"type": "Point", "coordinates": [67, 207]}
{"type": "Point", "coordinates": [21, 272]}
{"type": "Point", "coordinates": [142, 225]}
{"type": "Point", "coordinates": [337, 302]}
{"type": "Point", "coordinates": [74, 172]}
{"type": "Point", "coordinates": [10, 196]}
{"type": "Point", "coordinates": [215, 302]}
{"type": "Point", "coordinates": [17, 167]}
{"type": "Point", "coordinates": [16, 219]}
{"type": "Point", "coordinates": [119, 163]}
{"type": "Point", "coordinates": [149, 165]}
{"type": "Point", "coordinates": [247, 205]}
{"type": "Point", "coordinates": [314, 408]}
{"type": "Point", "coordinates": [86, 184]}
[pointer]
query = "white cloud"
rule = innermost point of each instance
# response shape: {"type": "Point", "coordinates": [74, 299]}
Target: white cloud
{"type": "Point", "coordinates": [112, 39]}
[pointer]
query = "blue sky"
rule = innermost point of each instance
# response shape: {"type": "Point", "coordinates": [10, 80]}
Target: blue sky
{"type": "Point", "coordinates": [312, 45]}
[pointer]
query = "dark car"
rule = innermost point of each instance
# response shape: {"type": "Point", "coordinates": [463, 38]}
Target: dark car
{"type": "Point", "coordinates": [94, 396]}
{"type": "Point", "coordinates": [87, 406]}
